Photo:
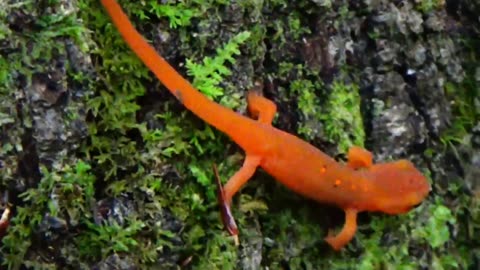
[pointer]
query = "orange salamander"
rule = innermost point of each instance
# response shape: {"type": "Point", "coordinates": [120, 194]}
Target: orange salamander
{"type": "Point", "coordinates": [359, 185]}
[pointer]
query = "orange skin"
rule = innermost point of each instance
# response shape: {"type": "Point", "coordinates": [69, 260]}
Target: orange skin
{"type": "Point", "coordinates": [359, 185]}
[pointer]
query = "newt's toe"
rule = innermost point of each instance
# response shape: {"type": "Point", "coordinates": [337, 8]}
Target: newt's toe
{"type": "Point", "coordinates": [332, 242]}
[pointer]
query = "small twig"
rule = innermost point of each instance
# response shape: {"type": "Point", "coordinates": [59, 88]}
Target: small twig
{"type": "Point", "coordinates": [225, 212]}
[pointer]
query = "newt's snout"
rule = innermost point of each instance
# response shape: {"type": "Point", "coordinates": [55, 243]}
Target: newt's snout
{"type": "Point", "coordinates": [415, 183]}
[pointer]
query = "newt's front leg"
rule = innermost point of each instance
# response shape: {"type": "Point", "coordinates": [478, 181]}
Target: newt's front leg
{"type": "Point", "coordinates": [347, 232]}
{"type": "Point", "coordinates": [359, 158]}
{"type": "Point", "coordinates": [260, 107]}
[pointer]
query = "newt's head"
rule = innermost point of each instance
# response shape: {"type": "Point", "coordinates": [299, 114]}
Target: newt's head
{"type": "Point", "coordinates": [400, 186]}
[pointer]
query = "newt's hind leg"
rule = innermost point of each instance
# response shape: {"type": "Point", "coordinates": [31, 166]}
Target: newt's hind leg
{"type": "Point", "coordinates": [234, 184]}
{"type": "Point", "coordinates": [260, 107]}
{"type": "Point", "coordinates": [359, 158]}
{"type": "Point", "coordinates": [347, 232]}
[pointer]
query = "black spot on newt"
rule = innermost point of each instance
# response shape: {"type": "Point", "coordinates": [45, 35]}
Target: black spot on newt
{"type": "Point", "coordinates": [178, 94]}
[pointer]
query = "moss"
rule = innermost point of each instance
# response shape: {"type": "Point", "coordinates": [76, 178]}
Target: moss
{"type": "Point", "coordinates": [343, 123]}
{"type": "Point", "coordinates": [66, 192]}
{"type": "Point", "coordinates": [464, 98]}
{"type": "Point", "coordinates": [339, 112]}
{"type": "Point", "coordinates": [119, 157]}
{"type": "Point", "coordinates": [436, 232]}
{"type": "Point", "coordinates": [108, 239]}
{"type": "Point", "coordinates": [308, 104]}
{"type": "Point", "coordinates": [56, 192]}
{"type": "Point", "coordinates": [427, 6]}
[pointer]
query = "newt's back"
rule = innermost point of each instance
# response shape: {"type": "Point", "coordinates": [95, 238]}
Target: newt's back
{"type": "Point", "coordinates": [312, 173]}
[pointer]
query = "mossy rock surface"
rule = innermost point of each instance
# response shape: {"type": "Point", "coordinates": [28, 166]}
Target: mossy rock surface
{"type": "Point", "coordinates": [104, 169]}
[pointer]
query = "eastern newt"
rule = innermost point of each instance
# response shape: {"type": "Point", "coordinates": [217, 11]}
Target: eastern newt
{"type": "Point", "coordinates": [359, 185]}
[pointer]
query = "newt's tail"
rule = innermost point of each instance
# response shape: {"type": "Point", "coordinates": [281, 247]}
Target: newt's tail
{"type": "Point", "coordinates": [216, 115]}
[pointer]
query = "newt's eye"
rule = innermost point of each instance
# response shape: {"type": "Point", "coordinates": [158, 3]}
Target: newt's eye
{"type": "Point", "coordinates": [404, 164]}
{"type": "Point", "coordinates": [416, 205]}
